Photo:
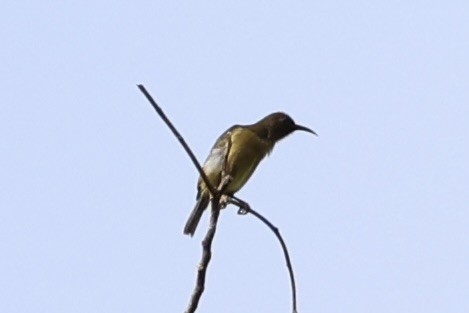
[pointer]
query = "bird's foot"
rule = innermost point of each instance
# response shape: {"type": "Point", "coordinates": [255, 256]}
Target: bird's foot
{"type": "Point", "coordinates": [224, 200]}
{"type": "Point", "coordinates": [244, 209]}
{"type": "Point", "coordinates": [243, 206]}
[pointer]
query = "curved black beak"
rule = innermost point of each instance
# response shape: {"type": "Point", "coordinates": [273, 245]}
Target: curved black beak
{"type": "Point", "coordinates": [306, 129]}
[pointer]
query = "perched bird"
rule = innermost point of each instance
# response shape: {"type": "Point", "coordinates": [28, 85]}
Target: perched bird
{"type": "Point", "coordinates": [237, 152]}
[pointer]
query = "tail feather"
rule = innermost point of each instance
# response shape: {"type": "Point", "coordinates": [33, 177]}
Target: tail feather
{"type": "Point", "coordinates": [196, 214]}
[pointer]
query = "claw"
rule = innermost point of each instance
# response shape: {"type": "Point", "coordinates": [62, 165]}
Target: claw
{"type": "Point", "coordinates": [244, 208]}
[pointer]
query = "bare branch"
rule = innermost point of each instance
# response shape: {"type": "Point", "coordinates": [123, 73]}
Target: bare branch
{"type": "Point", "coordinates": [206, 256]}
{"type": "Point", "coordinates": [207, 247]}
{"type": "Point", "coordinates": [245, 208]}
{"type": "Point", "coordinates": [207, 242]}
{"type": "Point", "coordinates": [179, 138]}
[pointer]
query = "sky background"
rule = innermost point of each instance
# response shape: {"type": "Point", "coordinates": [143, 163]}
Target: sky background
{"type": "Point", "coordinates": [95, 191]}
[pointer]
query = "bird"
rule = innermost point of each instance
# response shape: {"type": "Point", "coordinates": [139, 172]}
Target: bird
{"type": "Point", "coordinates": [237, 153]}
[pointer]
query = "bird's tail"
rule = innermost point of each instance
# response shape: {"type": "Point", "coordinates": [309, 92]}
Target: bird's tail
{"type": "Point", "coordinates": [196, 214]}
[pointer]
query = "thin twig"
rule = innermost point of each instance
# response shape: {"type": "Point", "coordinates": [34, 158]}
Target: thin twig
{"type": "Point", "coordinates": [206, 256]}
{"type": "Point", "coordinates": [245, 208]}
{"type": "Point", "coordinates": [179, 138]}
{"type": "Point", "coordinates": [285, 252]}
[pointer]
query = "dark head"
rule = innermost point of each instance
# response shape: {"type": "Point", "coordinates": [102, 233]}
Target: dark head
{"type": "Point", "coordinates": [279, 125]}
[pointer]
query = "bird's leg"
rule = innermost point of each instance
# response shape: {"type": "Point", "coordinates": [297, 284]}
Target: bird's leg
{"type": "Point", "coordinates": [243, 206]}
{"type": "Point", "coordinates": [223, 184]}
{"type": "Point", "coordinates": [225, 181]}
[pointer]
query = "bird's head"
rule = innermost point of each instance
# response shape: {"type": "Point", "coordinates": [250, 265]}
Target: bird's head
{"type": "Point", "coordinates": [279, 125]}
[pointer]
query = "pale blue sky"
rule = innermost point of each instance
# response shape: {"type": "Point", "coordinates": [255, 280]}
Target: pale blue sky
{"type": "Point", "coordinates": [94, 190]}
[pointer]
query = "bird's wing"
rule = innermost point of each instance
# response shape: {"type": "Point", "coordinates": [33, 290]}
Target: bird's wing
{"type": "Point", "coordinates": [216, 160]}
{"type": "Point", "coordinates": [216, 163]}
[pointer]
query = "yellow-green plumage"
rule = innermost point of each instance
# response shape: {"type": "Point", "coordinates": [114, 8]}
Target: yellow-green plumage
{"type": "Point", "coordinates": [237, 153]}
{"type": "Point", "coordinates": [241, 161]}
